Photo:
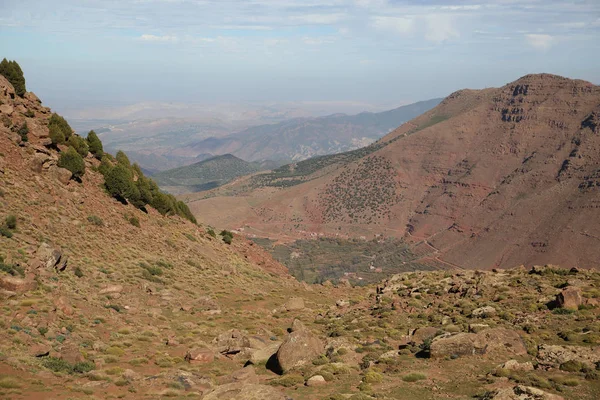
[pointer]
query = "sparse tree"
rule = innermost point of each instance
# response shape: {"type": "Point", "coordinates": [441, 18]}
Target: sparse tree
{"type": "Point", "coordinates": [72, 161]}
{"type": "Point", "coordinates": [95, 145]}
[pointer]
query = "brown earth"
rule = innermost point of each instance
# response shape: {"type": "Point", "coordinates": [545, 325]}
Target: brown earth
{"type": "Point", "coordinates": [489, 178]}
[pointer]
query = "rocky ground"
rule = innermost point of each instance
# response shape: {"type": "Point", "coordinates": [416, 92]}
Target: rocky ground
{"type": "Point", "coordinates": [95, 307]}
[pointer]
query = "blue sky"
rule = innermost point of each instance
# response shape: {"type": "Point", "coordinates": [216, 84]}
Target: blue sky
{"type": "Point", "coordinates": [375, 51]}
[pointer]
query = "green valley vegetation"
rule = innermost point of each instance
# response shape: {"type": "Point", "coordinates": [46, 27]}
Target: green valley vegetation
{"type": "Point", "coordinates": [359, 261]}
{"type": "Point", "coordinates": [12, 71]}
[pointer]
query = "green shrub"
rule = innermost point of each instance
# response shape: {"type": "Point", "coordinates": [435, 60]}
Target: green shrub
{"type": "Point", "coordinates": [572, 366]}
{"type": "Point", "coordinates": [95, 220]}
{"type": "Point", "coordinates": [79, 144]}
{"type": "Point", "coordinates": [288, 380]}
{"type": "Point", "coordinates": [372, 377]}
{"type": "Point", "coordinates": [4, 231]}
{"type": "Point", "coordinates": [78, 272]}
{"type": "Point", "coordinates": [118, 182]}
{"type": "Point", "coordinates": [23, 131]}
{"type": "Point", "coordinates": [133, 220]}
{"type": "Point", "coordinates": [60, 365]}
{"type": "Point", "coordinates": [413, 377]}
{"type": "Point", "coordinates": [123, 159]}
{"type": "Point", "coordinates": [211, 232]}
{"type": "Point", "coordinates": [29, 114]}
{"type": "Point", "coordinates": [227, 236]}
{"type": "Point", "coordinates": [12, 71]}
{"type": "Point", "coordinates": [72, 161]}
{"type": "Point", "coordinates": [11, 222]}
{"type": "Point", "coordinates": [95, 145]}
{"type": "Point", "coordinates": [60, 130]}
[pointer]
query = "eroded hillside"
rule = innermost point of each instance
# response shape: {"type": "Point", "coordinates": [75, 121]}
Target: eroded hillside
{"type": "Point", "coordinates": [488, 178]}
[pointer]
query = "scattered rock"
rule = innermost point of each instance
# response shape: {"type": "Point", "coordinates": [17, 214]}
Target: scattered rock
{"type": "Point", "coordinates": [523, 393]}
{"type": "Point", "coordinates": [62, 304]}
{"type": "Point", "coordinates": [111, 289]}
{"type": "Point", "coordinates": [40, 350]}
{"type": "Point", "coordinates": [316, 380]}
{"type": "Point", "coordinates": [552, 356]}
{"type": "Point", "coordinates": [418, 336]}
{"type": "Point", "coordinates": [294, 304]}
{"type": "Point", "coordinates": [246, 375]}
{"type": "Point", "coordinates": [231, 342]}
{"type": "Point", "coordinates": [46, 257]}
{"type": "Point", "coordinates": [570, 298]}
{"type": "Point", "coordinates": [201, 355]}
{"type": "Point", "coordinates": [61, 174]}
{"type": "Point", "coordinates": [299, 348]}
{"type": "Point", "coordinates": [496, 340]}
{"type": "Point", "coordinates": [476, 328]}
{"type": "Point", "coordinates": [484, 312]}
{"type": "Point", "coordinates": [258, 356]}
{"type": "Point", "coordinates": [514, 365]}
{"type": "Point", "coordinates": [17, 285]}
{"type": "Point", "coordinates": [245, 391]}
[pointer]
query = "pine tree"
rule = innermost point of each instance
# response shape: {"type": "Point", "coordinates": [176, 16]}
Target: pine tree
{"type": "Point", "coordinates": [95, 145]}
{"type": "Point", "coordinates": [12, 71]}
{"type": "Point", "coordinates": [72, 161]}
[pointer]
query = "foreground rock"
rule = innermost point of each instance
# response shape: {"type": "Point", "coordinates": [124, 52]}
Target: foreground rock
{"type": "Point", "coordinates": [496, 341]}
{"type": "Point", "coordinates": [551, 356]}
{"type": "Point", "coordinates": [522, 393]}
{"type": "Point", "coordinates": [299, 348]}
{"type": "Point", "coordinates": [570, 298]}
{"type": "Point", "coordinates": [245, 391]}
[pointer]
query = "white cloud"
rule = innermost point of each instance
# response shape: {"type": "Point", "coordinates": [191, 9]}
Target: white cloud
{"type": "Point", "coordinates": [316, 41]}
{"type": "Point", "coordinates": [539, 41]}
{"type": "Point", "coordinates": [155, 38]}
{"type": "Point", "coordinates": [440, 28]}
{"type": "Point", "coordinates": [317, 19]}
{"type": "Point", "coordinates": [399, 25]}
{"type": "Point", "coordinates": [370, 3]}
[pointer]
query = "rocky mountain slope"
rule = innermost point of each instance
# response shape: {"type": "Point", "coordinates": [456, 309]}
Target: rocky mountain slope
{"type": "Point", "coordinates": [494, 177]}
{"type": "Point", "coordinates": [102, 300]}
{"type": "Point", "coordinates": [302, 138]}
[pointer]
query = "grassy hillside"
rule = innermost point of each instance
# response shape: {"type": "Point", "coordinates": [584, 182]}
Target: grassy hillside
{"type": "Point", "coordinates": [205, 175]}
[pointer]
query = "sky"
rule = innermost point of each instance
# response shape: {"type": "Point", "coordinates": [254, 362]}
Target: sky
{"type": "Point", "coordinates": [381, 52]}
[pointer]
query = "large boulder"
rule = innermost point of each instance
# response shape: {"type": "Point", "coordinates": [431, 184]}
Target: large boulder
{"type": "Point", "coordinates": [16, 285]}
{"type": "Point", "coordinates": [522, 393]}
{"type": "Point", "coordinates": [484, 312]}
{"type": "Point", "coordinates": [245, 391]}
{"type": "Point", "coordinates": [419, 335]}
{"type": "Point", "coordinates": [552, 356]}
{"type": "Point", "coordinates": [489, 341]}
{"type": "Point", "coordinates": [232, 342]}
{"type": "Point", "coordinates": [570, 298]}
{"type": "Point", "coordinates": [200, 355]}
{"type": "Point", "coordinates": [260, 356]}
{"type": "Point", "coordinates": [299, 348]}
{"type": "Point", "coordinates": [294, 304]}
{"type": "Point", "coordinates": [46, 257]}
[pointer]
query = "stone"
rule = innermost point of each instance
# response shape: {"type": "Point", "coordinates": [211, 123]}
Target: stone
{"type": "Point", "coordinates": [71, 354]}
{"type": "Point", "coordinates": [294, 304]}
{"type": "Point", "coordinates": [231, 342]}
{"type": "Point", "coordinates": [520, 392]}
{"type": "Point", "coordinates": [259, 356]}
{"type": "Point", "coordinates": [570, 298]}
{"type": "Point", "coordinates": [476, 328]}
{"type": "Point", "coordinates": [299, 348]}
{"type": "Point", "coordinates": [45, 257]}
{"type": "Point", "coordinates": [245, 391]}
{"type": "Point", "coordinates": [40, 350]}
{"type": "Point", "coordinates": [63, 175]}
{"type": "Point", "coordinates": [514, 365]}
{"type": "Point", "coordinates": [201, 355]}
{"type": "Point", "coordinates": [17, 285]}
{"type": "Point", "coordinates": [419, 335]}
{"type": "Point", "coordinates": [484, 312]}
{"type": "Point", "coordinates": [130, 375]}
{"type": "Point", "coordinates": [496, 340]}
{"type": "Point", "coordinates": [62, 304]}
{"type": "Point", "coordinates": [111, 289]}
{"type": "Point", "coordinates": [246, 375]}
{"type": "Point", "coordinates": [316, 380]}
{"type": "Point", "coordinates": [552, 356]}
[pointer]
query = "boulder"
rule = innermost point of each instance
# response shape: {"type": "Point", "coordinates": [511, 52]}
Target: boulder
{"type": "Point", "coordinates": [523, 393]}
{"type": "Point", "coordinates": [419, 335]}
{"type": "Point", "coordinates": [484, 312]}
{"type": "Point", "coordinates": [496, 341]}
{"type": "Point", "coordinates": [552, 356]}
{"type": "Point", "coordinates": [201, 355]}
{"type": "Point", "coordinates": [17, 285]}
{"type": "Point", "coordinates": [246, 375]}
{"type": "Point", "coordinates": [570, 298]}
{"type": "Point", "coordinates": [40, 350]}
{"type": "Point", "coordinates": [514, 365]}
{"type": "Point", "coordinates": [299, 348]}
{"type": "Point", "coordinates": [62, 175]}
{"type": "Point", "coordinates": [316, 380]}
{"type": "Point", "coordinates": [294, 304]}
{"type": "Point", "coordinates": [231, 342]}
{"type": "Point", "coordinates": [62, 304]}
{"type": "Point", "coordinates": [45, 257]}
{"type": "Point", "coordinates": [111, 289]}
{"type": "Point", "coordinates": [259, 356]}
{"type": "Point", "coordinates": [245, 391]}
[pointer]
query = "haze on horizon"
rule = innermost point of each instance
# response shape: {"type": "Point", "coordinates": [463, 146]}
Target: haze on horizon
{"type": "Point", "coordinates": [375, 53]}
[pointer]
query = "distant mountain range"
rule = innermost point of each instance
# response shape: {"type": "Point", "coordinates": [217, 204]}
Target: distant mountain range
{"type": "Point", "coordinates": [208, 174]}
{"type": "Point", "coordinates": [488, 178]}
{"type": "Point", "coordinates": [301, 138]}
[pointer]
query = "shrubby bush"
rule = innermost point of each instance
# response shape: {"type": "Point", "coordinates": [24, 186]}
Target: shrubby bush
{"type": "Point", "coordinates": [79, 144]}
{"type": "Point", "coordinates": [95, 145]}
{"type": "Point", "coordinates": [12, 71]}
{"type": "Point", "coordinates": [60, 130]}
{"type": "Point", "coordinates": [72, 161]}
